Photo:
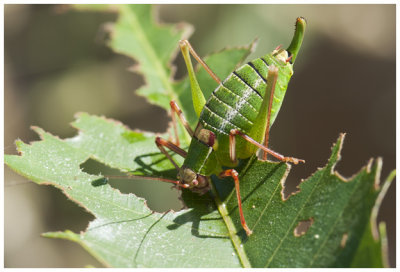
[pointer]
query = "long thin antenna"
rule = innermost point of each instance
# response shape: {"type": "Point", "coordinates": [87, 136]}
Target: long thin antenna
{"type": "Point", "coordinates": [176, 182]}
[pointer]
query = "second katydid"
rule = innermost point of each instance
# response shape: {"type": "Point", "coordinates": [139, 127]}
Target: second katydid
{"type": "Point", "coordinates": [245, 104]}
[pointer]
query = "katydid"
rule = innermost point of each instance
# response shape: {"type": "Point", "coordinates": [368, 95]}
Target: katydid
{"type": "Point", "coordinates": [245, 104]}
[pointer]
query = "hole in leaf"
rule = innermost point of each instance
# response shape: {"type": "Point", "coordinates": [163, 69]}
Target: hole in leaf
{"type": "Point", "coordinates": [344, 240]}
{"type": "Point", "coordinates": [302, 227]}
{"type": "Point", "coordinates": [160, 196]}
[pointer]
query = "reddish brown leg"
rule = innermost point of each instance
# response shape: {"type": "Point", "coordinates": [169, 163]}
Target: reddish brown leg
{"type": "Point", "coordinates": [176, 110]}
{"type": "Point", "coordinates": [160, 142]}
{"type": "Point", "coordinates": [232, 147]}
{"type": "Point", "coordinates": [232, 173]}
{"type": "Point", "coordinates": [185, 43]}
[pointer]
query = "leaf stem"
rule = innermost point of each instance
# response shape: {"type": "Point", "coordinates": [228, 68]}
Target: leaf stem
{"type": "Point", "coordinates": [231, 228]}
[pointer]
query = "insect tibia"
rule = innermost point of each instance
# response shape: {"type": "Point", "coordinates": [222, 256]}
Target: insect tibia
{"type": "Point", "coordinates": [297, 40]}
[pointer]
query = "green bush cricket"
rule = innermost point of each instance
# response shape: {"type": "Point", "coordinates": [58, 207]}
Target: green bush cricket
{"type": "Point", "coordinates": [245, 104]}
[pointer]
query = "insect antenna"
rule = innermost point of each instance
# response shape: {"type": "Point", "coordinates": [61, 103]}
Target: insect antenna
{"type": "Point", "coordinates": [176, 182]}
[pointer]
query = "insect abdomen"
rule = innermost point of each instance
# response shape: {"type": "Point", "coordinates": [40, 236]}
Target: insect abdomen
{"type": "Point", "coordinates": [235, 103]}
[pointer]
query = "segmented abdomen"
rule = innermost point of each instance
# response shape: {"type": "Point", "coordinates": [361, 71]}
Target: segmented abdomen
{"type": "Point", "coordinates": [235, 103]}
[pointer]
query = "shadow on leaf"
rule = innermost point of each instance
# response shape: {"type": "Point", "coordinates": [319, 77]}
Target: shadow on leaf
{"type": "Point", "coordinates": [199, 207]}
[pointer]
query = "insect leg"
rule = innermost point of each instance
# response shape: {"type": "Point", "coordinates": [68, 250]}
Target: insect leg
{"type": "Point", "coordinates": [261, 126]}
{"type": "Point", "coordinates": [176, 110]}
{"type": "Point", "coordinates": [232, 147]}
{"type": "Point", "coordinates": [273, 75]}
{"type": "Point", "coordinates": [232, 173]}
{"type": "Point", "coordinates": [197, 95]}
{"type": "Point", "coordinates": [160, 142]}
{"type": "Point", "coordinates": [186, 44]}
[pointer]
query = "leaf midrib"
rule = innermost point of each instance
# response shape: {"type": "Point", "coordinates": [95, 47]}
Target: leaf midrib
{"type": "Point", "coordinates": [166, 80]}
{"type": "Point", "coordinates": [151, 53]}
{"type": "Point", "coordinates": [232, 231]}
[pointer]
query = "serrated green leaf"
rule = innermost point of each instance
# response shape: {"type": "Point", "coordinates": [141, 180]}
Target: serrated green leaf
{"type": "Point", "coordinates": [372, 251]}
{"type": "Point", "coordinates": [126, 227]}
{"type": "Point", "coordinates": [335, 207]}
{"type": "Point", "coordinates": [125, 233]}
{"type": "Point", "coordinates": [136, 35]}
{"type": "Point", "coordinates": [95, 137]}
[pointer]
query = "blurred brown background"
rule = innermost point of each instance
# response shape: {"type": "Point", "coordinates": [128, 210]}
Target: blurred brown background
{"type": "Point", "coordinates": [56, 64]}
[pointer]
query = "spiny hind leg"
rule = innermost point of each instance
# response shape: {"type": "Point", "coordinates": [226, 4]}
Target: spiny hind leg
{"type": "Point", "coordinates": [272, 78]}
{"type": "Point", "coordinates": [232, 147]}
{"type": "Point", "coordinates": [234, 174]}
{"type": "Point", "coordinates": [262, 124]}
{"type": "Point", "coordinates": [176, 110]}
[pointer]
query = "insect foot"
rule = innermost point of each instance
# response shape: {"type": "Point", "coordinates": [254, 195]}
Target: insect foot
{"type": "Point", "coordinates": [293, 160]}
